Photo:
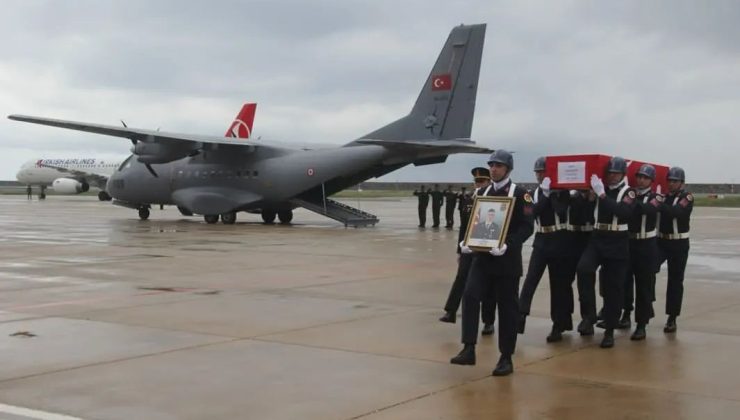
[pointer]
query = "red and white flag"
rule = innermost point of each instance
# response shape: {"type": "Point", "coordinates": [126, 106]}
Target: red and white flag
{"type": "Point", "coordinates": [442, 82]}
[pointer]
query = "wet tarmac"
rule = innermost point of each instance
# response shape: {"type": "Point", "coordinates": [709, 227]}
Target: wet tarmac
{"type": "Point", "coordinates": [103, 316]}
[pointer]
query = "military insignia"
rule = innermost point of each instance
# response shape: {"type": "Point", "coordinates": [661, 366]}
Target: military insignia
{"type": "Point", "coordinates": [683, 203]}
{"type": "Point", "coordinates": [689, 197]}
{"type": "Point", "coordinates": [631, 194]}
{"type": "Point", "coordinates": [527, 198]}
{"type": "Point", "coordinates": [660, 198]}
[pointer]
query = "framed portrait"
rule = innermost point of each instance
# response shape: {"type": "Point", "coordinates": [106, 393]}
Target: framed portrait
{"type": "Point", "coordinates": [489, 222]}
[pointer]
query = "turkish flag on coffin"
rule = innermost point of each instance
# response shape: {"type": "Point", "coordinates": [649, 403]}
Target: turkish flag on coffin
{"type": "Point", "coordinates": [442, 82]}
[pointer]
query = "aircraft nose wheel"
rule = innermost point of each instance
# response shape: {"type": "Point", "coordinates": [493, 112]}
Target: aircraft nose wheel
{"type": "Point", "coordinates": [285, 216]}
{"type": "Point", "coordinates": [211, 218]}
{"type": "Point", "coordinates": [143, 213]}
{"type": "Point", "coordinates": [103, 196]}
{"type": "Point", "coordinates": [228, 218]}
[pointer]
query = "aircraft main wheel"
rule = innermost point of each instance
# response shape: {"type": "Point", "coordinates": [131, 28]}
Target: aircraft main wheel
{"type": "Point", "coordinates": [285, 216]}
{"type": "Point", "coordinates": [268, 216]}
{"type": "Point", "coordinates": [211, 218]}
{"type": "Point", "coordinates": [103, 196]}
{"type": "Point", "coordinates": [184, 211]}
{"type": "Point", "coordinates": [228, 218]}
{"type": "Point", "coordinates": [143, 213]}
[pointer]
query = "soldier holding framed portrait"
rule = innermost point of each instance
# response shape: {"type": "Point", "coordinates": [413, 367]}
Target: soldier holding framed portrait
{"type": "Point", "coordinates": [498, 269]}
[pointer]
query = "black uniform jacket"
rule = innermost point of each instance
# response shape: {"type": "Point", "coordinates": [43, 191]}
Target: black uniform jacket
{"type": "Point", "coordinates": [544, 210]}
{"type": "Point", "coordinates": [521, 227]}
{"type": "Point", "coordinates": [614, 245]}
{"type": "Point", "coordinates": [676, 207]}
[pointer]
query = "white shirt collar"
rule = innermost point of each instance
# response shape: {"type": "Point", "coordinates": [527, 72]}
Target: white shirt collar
{"type": "Point", "coordinates": [498, 185]}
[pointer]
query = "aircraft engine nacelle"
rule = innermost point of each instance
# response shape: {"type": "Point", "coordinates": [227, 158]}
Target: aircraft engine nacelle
{"type": "Point", "coordinates": [69, 186]}
{"type": "Point", "coordinates": [161, 152]}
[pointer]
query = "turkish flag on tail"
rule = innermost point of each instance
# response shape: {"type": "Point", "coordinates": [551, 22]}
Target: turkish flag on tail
{"type": "Point", "coordinates": [442, 82]}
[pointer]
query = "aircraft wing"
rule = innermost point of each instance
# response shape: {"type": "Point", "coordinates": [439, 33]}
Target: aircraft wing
{"type": "Point", "coordinates": [449, 146]}
{"type": "Point", "coordinates": [99, 180]}
{"type": "Point", "coordinates": [141, 134]}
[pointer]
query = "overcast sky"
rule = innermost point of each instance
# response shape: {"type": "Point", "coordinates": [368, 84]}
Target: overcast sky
{"type": "Point", "coordinates": [653, 81]}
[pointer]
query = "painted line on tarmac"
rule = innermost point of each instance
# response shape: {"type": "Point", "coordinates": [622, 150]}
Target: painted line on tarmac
{"type": "Point", "coordinates": [33, 414]}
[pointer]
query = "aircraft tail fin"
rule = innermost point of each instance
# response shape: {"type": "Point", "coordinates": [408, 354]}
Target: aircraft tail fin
{"type": "Point", "coordinates": [445, 107]}
{"type": "Point", "coordinates": [242, 125]}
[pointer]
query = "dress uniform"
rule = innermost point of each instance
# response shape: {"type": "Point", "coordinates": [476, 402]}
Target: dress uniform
{"type": "Point", "coordinates": [548, 251]}
{"type": "Point", "coordinates": [423, 203]}
{"type": "Point", "coordinates": [482, 179]}
{"type": "Point", "coordinates": [580, 224]}
{"type": "Point", "coordinates": [498, 270]}
{"type": "Point", "coordinates": [608, 247]}
{"type": "Point", "coordinates": [437, 200]}
{"type": "Point", "coordinates": [450, 201]}
{"type": "Point", "coordinates": [673, 241]}
{"type": "Point", "coordinates": [643, 254]}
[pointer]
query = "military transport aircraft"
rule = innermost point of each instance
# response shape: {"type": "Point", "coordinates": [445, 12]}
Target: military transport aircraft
{"type": "Point", "coordinates": [77, 175]}
{"type": "Point", "coordinates": [216, 176]}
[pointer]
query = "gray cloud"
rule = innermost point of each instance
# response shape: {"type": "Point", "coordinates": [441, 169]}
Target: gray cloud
{"type": "Point", "coordinates": [654, 81]}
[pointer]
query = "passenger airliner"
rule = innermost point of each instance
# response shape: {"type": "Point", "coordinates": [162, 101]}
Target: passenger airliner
{"type": "Point", "coordinates": [77, 175]}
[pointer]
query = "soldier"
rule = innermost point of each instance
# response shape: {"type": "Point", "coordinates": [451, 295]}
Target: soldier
{"type": "Point", "coordinates": [423, 203]}
{"type": "Point", "coordinates": [608, 247]}
{"type": "Point", "coordinates": [673, 241]}
{"type": "Point", "coordinates": [450, 201]}
{"type": "Point", "coordinates": [482, 178]}
{"type": "Point", "coordinates": [29, 193]}
{"type": "Point", "coordinates": [498, 270]}
{"type": "Point", "coordinates": [437, 199]}
{"type": "Point", "coordinates": [461, 197]}
{"type": "Point", "coordinates": [643, 254]}
{"type": "Point", "coordinates": [580, 221]}
{"type": "Point", "coordinates": [487, 229]}
{"type": "Point", "coordinates": [548, 250]}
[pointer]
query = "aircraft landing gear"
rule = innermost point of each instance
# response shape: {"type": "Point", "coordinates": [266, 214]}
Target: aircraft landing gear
{"type": "Point", "coordinates": [143, 213]}
{"type": "Point", "coordinates": [228, 218]}
{"type": "Point", "coordinates": [184, 211]}
{"type": "Point", "coordinates": [211, 218]}
{"type": "Point", "coordinates": [42, 194]}
{"type": "Point", "coordinates": [104, 196]}
{"type": "Point", "coordinates": [285, 216]}
{"type": "Point", "coordinates": [268, 216]}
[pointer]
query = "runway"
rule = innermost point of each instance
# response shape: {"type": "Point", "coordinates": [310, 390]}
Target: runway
{"type": "Point", "coordinates": [104, 316]}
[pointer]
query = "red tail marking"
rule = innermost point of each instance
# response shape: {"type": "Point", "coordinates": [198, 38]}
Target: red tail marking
{"type": "Point", "coordinates": [242, 125]}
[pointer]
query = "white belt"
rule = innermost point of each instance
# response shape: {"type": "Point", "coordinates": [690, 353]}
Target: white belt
{"type": "Point", "coordinates": [610, 227]}
{"type": "Point", "coordinates": [674, 236]}
{"type": "Point", "coordinates": [646, 235]}
{"type": "Point", "coordinates": [580, 228]}
{"type": "Point", "coordinates": [550, 229]}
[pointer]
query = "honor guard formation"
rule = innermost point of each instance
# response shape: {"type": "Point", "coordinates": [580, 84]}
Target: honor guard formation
{"type": "Point", "coordinates": [625, 232]}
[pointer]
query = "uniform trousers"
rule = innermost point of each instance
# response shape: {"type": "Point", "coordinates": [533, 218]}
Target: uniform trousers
{"type": "Point", "coordinates": [485, 281]}
{"type": "Point", "coordinates": [676, 252]}
{"type": "Point", "coordinates": [488, 306]}
{"type": "Point", "coordinates": [613, 273]}
{"type": "Point", "coordinates": [561, 291]}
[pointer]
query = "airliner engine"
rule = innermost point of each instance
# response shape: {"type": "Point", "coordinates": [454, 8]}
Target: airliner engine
{"type": "Point", "coordinates": [69, 186]}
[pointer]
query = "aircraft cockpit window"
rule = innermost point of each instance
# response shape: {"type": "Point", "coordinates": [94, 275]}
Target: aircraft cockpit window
{"type": "Point", "coordinates": [126, 163]}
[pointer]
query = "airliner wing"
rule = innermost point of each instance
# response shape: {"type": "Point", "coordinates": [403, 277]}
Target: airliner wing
{"type": "Point", "coordinates": [99, 180]}
{"type": "Point", "coordinates": [137, 134]}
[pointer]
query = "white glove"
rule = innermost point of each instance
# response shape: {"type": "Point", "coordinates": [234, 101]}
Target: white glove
{"type": "Point", "coordinates": [497, 252]}
{"type": "Point", "coordinates": [464, 248]}
{"type": "Point", "coordinates": [597, 185]}
{"type": "Point", "coordinates": [545, 186]}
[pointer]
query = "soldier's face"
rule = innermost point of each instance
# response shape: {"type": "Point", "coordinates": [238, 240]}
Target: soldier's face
{"type": "Point", "coordinates": [540, 175]}
{"type": "Point", "coordinates": [498, 171]}
{"type": "Point", "coordinates": [613, 178]}
{"type": "Point", "coordinates": [643, 182]}
{"type": "Point", "coordinates": [480, 182]}
{"type": "Point", "coordinates": [489, 217]}
{"type": "Point", "coordinates": [674, 186]}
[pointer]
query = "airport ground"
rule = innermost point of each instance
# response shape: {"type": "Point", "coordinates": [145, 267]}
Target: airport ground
{"type": "Point", "coordinates": [104, 316]}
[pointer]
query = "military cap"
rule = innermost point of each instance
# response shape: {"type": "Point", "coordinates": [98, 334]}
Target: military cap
{"type": "Point", "coordinates": [481, 172]}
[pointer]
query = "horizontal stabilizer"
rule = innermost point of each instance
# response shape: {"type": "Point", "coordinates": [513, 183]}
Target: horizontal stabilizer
{"type": "Point", "coordinates": [447, 146]}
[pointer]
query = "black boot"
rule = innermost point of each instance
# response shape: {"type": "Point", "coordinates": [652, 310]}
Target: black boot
{"type": "Point", "coordinates": [601, 324]}
{"type": "Point", "coordinates": [555, 335]}
{"type": "Point", "coordinates": [522, 323]}
{"type": "Point", "coordinates": [586, 328]}
{"type": "Point", "coordinates": [639, 333]}
{"type": "Point", "coordinates": [608, 341]}
{"type": "Point", "coordinates": [487, 329]}
{"type": "Point", "coordinates": [450, 317]}
{"type": "Point", "coordinates": [600, 315]}
{"type": "Point", "coordinates": [504, 366]}
{"type": "Point", "coordinates": [670, 325]}
{"type": "Point", "coordinates": [466, 356]}
{"type": "Point", "coordinates": [626, 322]}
